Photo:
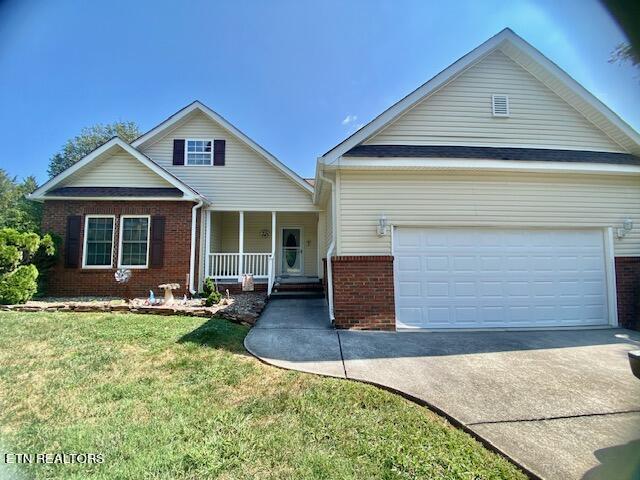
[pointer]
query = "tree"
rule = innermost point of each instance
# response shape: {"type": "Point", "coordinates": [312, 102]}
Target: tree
{"type": "Point", "coordinates": [15, 210]}
{"type": "Point", "coordinates": [88, 140]}
{"type": "Point", "coordinates": [17, 274]}
{"type": "Point", "coordinates": [624, 53]}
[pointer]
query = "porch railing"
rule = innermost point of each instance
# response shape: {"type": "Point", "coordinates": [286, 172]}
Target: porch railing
{"type": "Point", "coordinates": [227, 265]}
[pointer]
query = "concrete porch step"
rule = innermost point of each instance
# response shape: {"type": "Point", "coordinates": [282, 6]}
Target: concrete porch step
{"type": "Point", "coordinates": [296, 287]}
{"type": "Point", "coordinates": [296, 294]}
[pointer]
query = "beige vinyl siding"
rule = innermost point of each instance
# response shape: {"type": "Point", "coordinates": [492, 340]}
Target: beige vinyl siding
{"type": "Point", "coordinates": [460, 114]}
{"type": "Point", "coordinates": [484, 199]}
{"type": "Point", "coordinates": [246, 181]}
{"type": "Point", "coordinates": [118, 170]}
{"type": "Point", "coordinates": [225, 234]}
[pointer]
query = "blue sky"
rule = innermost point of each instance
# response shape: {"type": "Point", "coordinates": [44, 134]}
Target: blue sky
{"type": "Point", "coordinates": [296, 76]}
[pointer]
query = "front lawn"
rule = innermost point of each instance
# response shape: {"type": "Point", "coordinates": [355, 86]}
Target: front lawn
{"type": "Point", "coordinates": [178, 397]}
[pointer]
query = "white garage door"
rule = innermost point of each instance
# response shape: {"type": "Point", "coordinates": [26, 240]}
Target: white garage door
{"type": "Point", "coordinates": [484, 277]}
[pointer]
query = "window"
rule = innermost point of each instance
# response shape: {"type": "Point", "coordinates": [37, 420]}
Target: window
{"type": "Point", "coordinates": [199, 152]}
{"type": "Point", "coordinates": [98, 241]}
{"type": "Point", "coordinates": [134, 242]}
{"type": "Point", "coordinates": [500, 105]}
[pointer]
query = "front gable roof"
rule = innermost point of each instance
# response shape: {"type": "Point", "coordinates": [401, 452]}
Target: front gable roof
{"type": "Point", "coordinates": [56, 187]}
{"type": "Point", "coordinates": [530, 59]}
{"type": "Point", "coordinates": [182, 116]}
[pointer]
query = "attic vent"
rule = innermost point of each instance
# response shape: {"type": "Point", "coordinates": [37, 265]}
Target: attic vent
{"type": "Point", "coordinates": [500, 104]}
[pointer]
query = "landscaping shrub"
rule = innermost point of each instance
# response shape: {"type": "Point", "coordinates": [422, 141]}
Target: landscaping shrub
{"type": "Point", "coordinates": [17, 273]}
{"type": "Point", "coordinates": [208, 287]}
{"type": "Point", "coordinates": [213, 298]}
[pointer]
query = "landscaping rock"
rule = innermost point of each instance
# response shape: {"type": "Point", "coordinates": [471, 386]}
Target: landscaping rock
{"type": "Point", "coordinates": [243, 308]}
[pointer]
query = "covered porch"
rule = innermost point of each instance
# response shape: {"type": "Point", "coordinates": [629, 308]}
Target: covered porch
{"type": "Point", "coordinates": [272, 246]}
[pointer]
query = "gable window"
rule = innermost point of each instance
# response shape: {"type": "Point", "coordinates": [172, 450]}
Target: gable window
{"type": "Point", "coordinates": [134, 241]}
{"type": "Point", "coordinates": [199, 152]}
{"type": "Point", "coordinates": [98, 241]}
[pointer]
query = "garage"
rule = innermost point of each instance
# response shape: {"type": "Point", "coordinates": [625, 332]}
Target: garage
{"type": "Point", "coordinates": [464, 278]}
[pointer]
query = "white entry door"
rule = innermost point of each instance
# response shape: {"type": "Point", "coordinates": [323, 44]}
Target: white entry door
{"type": "Point", "coordinates": [292, 251]}
{"type": "Point", "coordinates": [507, 278]}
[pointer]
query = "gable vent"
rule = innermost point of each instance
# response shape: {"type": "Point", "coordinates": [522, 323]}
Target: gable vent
{"type": "Point", "coordinates": [500, 105]}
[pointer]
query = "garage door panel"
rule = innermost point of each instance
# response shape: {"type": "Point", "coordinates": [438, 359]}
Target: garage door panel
{"type": "Point", "coordinates": [482, 277]}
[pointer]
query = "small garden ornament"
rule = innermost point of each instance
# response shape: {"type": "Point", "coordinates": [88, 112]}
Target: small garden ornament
{"type": "Point", "coordinates": [122, 277]}
{"type": "Point", "coordinates": [168, 292]}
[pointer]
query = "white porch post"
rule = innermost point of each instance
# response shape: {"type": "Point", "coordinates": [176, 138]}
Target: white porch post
{"type": "Point", "coordinates": [273, 234]}
{"type": "Point", "coordinates": [241, 245]}
{"type": "Point", "coordinates": [207, 243]}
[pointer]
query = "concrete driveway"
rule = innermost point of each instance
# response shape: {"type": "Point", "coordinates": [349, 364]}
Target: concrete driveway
{"type": "Point", "coordinates": [563, 404]}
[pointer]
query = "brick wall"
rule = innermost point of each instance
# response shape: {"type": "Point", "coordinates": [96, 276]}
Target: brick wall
{"type": "Point", "coordinates": [363, 292]}
{"type": "Point", "coordinates": [78, 281]}
{"type": "Point", "coordinates": [628, 287]}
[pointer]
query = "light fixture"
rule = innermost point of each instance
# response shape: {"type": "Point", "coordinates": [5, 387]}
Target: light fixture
{"type": "Point", "coordinates": [383, 226]}
{"type": "Point", "coordinates": [627, 225]}
{"type": "Point", "coordinates": [265, 233]}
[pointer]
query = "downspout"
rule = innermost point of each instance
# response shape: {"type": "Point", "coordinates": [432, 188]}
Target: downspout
{"type": "Point", "coordinates": [332, 245]}
{"type": "Point", "coordinates": [192, 258]}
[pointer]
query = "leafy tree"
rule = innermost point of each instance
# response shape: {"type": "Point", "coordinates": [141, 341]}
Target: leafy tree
{"type": "Point", "coordinates": [15, 210]}
{"type": "Point", "coordinates": [17, 275]}
{"type": "Point", "coordinates": [88, 140]}
{"type": "Point", "coordinates": [624, 53]}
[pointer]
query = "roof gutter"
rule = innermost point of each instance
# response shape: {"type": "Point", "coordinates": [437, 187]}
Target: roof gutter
{"type": "Point", "coordinates": [192, 258]}
{"type": "Point", "coordinates": [332, 244]}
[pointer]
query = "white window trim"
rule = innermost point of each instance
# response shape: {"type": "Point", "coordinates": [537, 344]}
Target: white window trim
{"type": "Point", "coordinates": [86, 237]}
{"type": "Point", "coordinates": [493, 105]}
{"type": "Point", "coordinates": [146, 264]}
{"type": "Point", "coordinates": [186, 151]}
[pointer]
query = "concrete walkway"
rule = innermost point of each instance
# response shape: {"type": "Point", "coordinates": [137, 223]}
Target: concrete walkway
{"type": "Point", "coordinates": [563, 404]}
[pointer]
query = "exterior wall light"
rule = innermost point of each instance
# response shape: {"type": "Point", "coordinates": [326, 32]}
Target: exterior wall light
{"type": "Point", "coordinates": [627, 225]}
{"type": "Point", "coordinates": [383, 226]}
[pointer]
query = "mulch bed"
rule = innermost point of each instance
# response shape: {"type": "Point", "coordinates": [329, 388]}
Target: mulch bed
{"type": "Point", "coordinates": [243, 308]}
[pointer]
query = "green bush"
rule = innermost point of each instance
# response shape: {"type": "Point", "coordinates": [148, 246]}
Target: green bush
{"type": "Point", "coordinates": [208, 287]}
{"type": "Point", "coordinates": [213, 298]}
{"type": "Point", "coordinates": [18, 286]}
{"type": "Point", "coordinates": [17, 275]}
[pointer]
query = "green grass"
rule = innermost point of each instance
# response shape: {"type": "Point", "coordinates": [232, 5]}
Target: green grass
{"type": "Point", "coordinates": [178, 397]}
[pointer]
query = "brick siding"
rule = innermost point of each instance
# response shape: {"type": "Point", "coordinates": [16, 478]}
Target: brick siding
{"type": "Point", "coordinates": [363, 292]}
{"type": "Point", "coordinates": [628, 287]}
{"type": "Point", "coordinates": [78, 281]}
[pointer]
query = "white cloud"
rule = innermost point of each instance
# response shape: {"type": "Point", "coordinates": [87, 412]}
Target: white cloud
{"type": "Point", "coordinates": [349, 119]}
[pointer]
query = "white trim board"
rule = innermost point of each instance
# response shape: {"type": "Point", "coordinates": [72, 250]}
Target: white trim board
{"type": "Point", "coordinates": [157, 131]}
{"type": "Point", "coordinates": [412, 163]}
{"type": "Point", "coordinates": [582, 99]}
{"type": "Point", "coordinates": [188, 192]}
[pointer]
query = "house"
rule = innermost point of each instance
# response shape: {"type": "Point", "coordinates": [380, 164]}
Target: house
{"type": "Point", "coordinates": [499, 194]}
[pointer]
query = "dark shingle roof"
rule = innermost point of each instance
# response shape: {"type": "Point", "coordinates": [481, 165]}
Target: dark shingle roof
{"type": "Point", "coordinates": [116, 192]}
{"type": "Point", "coordinates": [492, 153]}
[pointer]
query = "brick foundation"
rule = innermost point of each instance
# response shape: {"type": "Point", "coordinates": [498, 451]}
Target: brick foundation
{"type": "Point", "coordinates": [628, 289]}
{"type": "Point", "coordinates": [363, 292]}
{"type": "Point", "coordinates": [78, 281]}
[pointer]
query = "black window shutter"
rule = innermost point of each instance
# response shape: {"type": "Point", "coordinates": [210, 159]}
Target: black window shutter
{"type": "Point", "coordinates": [178, 151]}
{"type": "Point", "coordinates": [218, 152]}
{"type": "Point", "coordinates": [72, 242]}
{"type": "Point", "coordinates": [156, 252]}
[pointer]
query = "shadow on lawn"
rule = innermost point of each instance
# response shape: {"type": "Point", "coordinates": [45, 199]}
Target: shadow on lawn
{"type": "Point", "coordinates": [219, 334]}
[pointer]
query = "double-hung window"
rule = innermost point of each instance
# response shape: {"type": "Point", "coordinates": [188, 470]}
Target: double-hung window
{"type": "Point", "coordinates": [98, 241]}
{"type": "Point", "coordinates": [134, 241]}
{"type": "Point", "coordinates": [199, 152]}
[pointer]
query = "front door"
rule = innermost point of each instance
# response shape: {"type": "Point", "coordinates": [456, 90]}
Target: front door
{"type": "Point", "coordinates": [292, 251]}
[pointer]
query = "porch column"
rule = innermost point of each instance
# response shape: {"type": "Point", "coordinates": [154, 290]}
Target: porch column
{"type": "Point", "coordinates": [241, 244]}
{"type": "Point", "coordinates": [207, 242]}
{"type": "Point", "coordinates": [273, 234]}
